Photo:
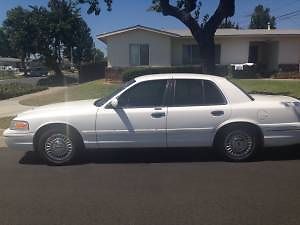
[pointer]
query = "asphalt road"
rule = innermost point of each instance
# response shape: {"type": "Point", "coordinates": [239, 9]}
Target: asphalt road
{"type": "Point", "coordinates": [154, 187]}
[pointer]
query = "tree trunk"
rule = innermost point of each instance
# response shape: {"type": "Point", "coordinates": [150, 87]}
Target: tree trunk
{"type": "Point", "coordinates": [24, 66]}
{"type": "Point", "coordinates": [207, 52]}
{"type": "Point", "coordinates": [51, 62]}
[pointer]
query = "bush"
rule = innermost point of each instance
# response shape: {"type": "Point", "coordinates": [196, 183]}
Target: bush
{"type": "Point", "coordinates": [247, 72]}
{"type": "Point", "coordinates": [136, 72]}
{"type": "Point", "coordinates": [6, 75]}
{"type": "Point", "coordinates": [17, 89]}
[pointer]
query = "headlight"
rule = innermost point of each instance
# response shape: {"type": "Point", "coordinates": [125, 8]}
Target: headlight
{"type": "Point", "coordinates": [19, 125]}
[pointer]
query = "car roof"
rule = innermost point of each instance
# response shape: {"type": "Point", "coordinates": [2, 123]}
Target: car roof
{"type": "Point", "coordinates": [178, 76]}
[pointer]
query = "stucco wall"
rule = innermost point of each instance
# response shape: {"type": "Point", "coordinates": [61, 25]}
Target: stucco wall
{"type": "Point", "coordinates": [233, 50]}
{"type": "Point", "coordinates": [159, 48]}
{"type": "Point", "coordinates": [289, 50]}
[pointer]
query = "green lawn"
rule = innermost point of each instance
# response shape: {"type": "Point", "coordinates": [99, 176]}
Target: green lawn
{"type": "Point", "coordinates": [90, 90]}
{"type": "Point", "coordinates": [282, 87]}
{"type": "Point", "coordinates": [99, 88]}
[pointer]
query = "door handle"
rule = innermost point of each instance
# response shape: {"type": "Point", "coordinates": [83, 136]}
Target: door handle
{"type": "Point", "coordinates": [217, 113]}
{"type": "Point", "coordinates": [158, 114]}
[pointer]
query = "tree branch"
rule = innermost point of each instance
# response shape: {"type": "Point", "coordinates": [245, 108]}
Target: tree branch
{"type": "Point", "coordinates": [184, 15]}
{"type": "Point", "coordinates": [225, 9]}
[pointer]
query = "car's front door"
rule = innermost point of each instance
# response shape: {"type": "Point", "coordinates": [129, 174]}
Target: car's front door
{"type": "Point", "coordinates": [197, 108]}
{"type": "Point", "coordinates": [139, 120]}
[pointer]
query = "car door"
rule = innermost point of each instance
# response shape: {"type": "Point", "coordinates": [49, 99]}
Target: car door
{"type": "Point", "coordinates": [139, 120]}
{"type": "Point", "coordinates": [197, 108]}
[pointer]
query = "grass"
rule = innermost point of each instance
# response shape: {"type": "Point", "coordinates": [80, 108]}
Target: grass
{"type": "Point", "coordinates": [90, 90]}
{"type": "Point", "coordinates": [99, 88]}
{"type": "Point", "coordinates": [17, 89]}
{"type": "Point", "coordinates": [281, 87]}
{"type": "Point", "coordinates": [5, 122]}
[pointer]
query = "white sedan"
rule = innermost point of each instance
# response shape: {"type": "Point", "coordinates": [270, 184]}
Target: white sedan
{"type": "Point", "coordinates": [164, 110]}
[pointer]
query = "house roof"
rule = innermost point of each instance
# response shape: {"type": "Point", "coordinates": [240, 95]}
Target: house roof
{"type": "Point", "coordinates": [104, 36]}
{"type": "Point", "coordinates": [178, 33]}
{"type": "Point", "coordinates": [235, 32]}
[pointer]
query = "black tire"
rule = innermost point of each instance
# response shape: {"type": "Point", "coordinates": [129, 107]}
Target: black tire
{"type": "Point", "coordinates": [238, 143]}
{"type": "Point", "coordinates": [58, 146]}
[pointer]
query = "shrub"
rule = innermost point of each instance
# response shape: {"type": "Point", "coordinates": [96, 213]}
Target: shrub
{"type": "Point", "coordinates": [17, 89]}
{"type": "Point", "coordinates": [136, 72]}
{"type": "Point", "coordinates": [246, 73]}
{"type": "Point", "coordinates": [6, 75]}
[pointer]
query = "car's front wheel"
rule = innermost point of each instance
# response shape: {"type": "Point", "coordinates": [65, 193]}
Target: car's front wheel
{"type": "Point", "coordinates": [57, 146]}
{"type": "Point", "coordinates": [238, 143]}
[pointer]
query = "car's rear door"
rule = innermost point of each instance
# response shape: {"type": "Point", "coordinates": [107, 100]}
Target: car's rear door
{"type": "Point", "coordinates": [196, 109]}
{"type": "Point", "coordinates": [138, 121]}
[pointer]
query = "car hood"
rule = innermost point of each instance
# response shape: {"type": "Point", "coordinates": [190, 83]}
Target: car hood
{"type": "Point", "coordinates": [64, 107]}
{"type": "Point", "coordinates": [273, 98]}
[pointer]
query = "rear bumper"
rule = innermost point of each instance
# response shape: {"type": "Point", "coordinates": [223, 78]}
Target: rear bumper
{"type": "Point", "coordinates": [281, 134]}
{"type": "Point", "coordinates": [18, 140]}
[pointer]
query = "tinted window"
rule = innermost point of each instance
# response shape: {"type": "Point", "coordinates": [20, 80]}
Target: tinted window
{"type": "Point", "coordinates": [188, 93]}
{"type": "Point", "coordinates": [213, 96]}
{"type": "Point", "coordinates": [145, 94]}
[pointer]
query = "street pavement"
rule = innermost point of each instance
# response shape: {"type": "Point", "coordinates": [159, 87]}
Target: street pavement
{"type": "Point", "coordinates": [151, 187]}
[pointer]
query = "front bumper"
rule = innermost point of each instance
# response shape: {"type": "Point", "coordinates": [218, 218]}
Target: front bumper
{"type": "Point", "coordinates": [18, 140]}
{"type": "Point", "coordinates": [281, 134]}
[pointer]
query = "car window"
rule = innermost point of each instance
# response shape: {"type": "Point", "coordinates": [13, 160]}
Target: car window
{"type": "Point", "coordinates": [188, 92]}
{"type": "Point", "coordinates": [213, 95]}
{"type": "Point", "coordinates": [145, 94]}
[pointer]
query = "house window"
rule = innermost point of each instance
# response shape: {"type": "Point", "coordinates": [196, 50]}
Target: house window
{"type": "Point", "coordinates": [139, 54]}
{"type": "Point", "coordinates": [191, 54]}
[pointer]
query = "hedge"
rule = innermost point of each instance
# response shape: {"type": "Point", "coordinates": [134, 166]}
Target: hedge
{"type": "Point", "coordinates": [17, 89]}
{"type": "Point", "coordinates": [136, 72]}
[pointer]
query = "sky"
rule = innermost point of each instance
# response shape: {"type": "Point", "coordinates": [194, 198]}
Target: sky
{"type": "Point", "coordinates": [133, 12]}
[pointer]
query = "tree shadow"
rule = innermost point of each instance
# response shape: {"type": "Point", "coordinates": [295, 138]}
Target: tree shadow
{"type": "Point", "coordinates": [125, 156]}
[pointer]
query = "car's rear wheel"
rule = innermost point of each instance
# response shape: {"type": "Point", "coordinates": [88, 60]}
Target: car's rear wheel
{"type": "Point", "coordinates": [238, 143]}
{"type": "Point", "coordinates": [57, 146]}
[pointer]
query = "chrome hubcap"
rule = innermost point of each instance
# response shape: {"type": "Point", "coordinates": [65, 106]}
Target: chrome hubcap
{"type": "Point", "coordinates": [239, 144]}
{"type": "Point", "coordinates": [58, 147]}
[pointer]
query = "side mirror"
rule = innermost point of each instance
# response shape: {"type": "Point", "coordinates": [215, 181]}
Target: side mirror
{"type": "Point", "coordinates": [114, 103]}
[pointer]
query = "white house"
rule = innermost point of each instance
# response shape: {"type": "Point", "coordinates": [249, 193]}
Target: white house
{"type": "Point", "coordinates": [145, 46]}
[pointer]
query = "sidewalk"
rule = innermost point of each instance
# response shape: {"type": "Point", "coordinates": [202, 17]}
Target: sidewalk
{"type": "Point", "coordinates": [11, 107]}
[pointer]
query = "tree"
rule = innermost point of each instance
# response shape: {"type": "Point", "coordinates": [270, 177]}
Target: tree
{"type": "Point", "coordinates": [18, 29]}
{"type": "Point", "coordinates": [81, 44]}
{"type": "Point", "coordinates": [261, 17]}
{"type": "Point", "coordinates": [5, 49]}
{"type": "Point", "coordinates": [98, 56]}
{"type": "Point", "coordinates": [47, 32]}
{"type": "Point", "coordinates": [188, 12]}
{"type": "Point", "coordinates": [228, 24]}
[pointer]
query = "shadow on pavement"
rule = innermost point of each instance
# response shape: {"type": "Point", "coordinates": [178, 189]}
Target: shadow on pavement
{"type": "Point", "coordinates": [164, 156]}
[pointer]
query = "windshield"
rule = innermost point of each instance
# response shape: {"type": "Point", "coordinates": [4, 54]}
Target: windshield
{"type": "Point", "coordinates": [101, 101]}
